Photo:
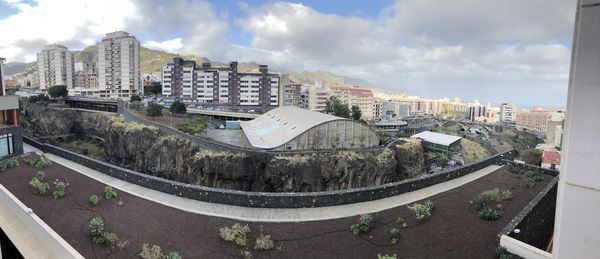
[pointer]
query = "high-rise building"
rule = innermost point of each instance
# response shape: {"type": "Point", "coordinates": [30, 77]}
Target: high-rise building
{"type": "Point", "coordinates": [317, 93]}
{"type": "Point", "coordinates": [55, 67]}
{"type": "Point", "coordinates": [118, 66]}
{"type": "Point", "coordinates": [220, 86]}
{"type": "Point", "coordinates": [363, 98]}
{"type": "Point", "coordinates": [477, 110]}
{"type": "Point", "coordinates": [508, 112]}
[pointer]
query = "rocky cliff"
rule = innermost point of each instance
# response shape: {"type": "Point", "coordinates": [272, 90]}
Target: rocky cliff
{"type": "Point", "coordinates": [145, 149]}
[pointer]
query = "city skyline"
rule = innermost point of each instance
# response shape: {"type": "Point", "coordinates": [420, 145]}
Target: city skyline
{"type": "Point", "coordinates": [489, 57]}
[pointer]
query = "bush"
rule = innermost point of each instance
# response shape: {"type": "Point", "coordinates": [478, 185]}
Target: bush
{"type": "Point", "coordinates": [489, 214]}
{"type": "Point", "coordinates": [154, 110]}
{"type": "Point", "coordinates": [534, 176]}
{"type": "Point", "coordinates": [394, 234]}
{"type": "Point", "coordinates": [151, 252]}
{"type": "Point", "coordinates": [58, 91]}
{"type": "Point", "coordinates": [497, 195]}
{"type": "Point", "coordinates": [38, 183]}
{"type": "Point", "coordinates": [237, 233]}
{"type": "Point", "coordinates": [40, 163]}
{"type": "Point", "coordinates": [135, 98]}
{"type": "Point", "coordinates": [263, 242]}
{"type": "Point", "coordinates": [363, 226]}
{"type": "Point", "coordinates": [246, 254]}
{"type": "Point", "coordinates": [94, 199]}
{"type": "Point", "coordinates": [60, 189]}
{"type": "Point", "coordinates": [99, 236]}
{"type": "Point", "coordinates": [97, 226]}
{"type": "Point", "coordinates": [386, 256]}
{"type": "Point", "coordinates": [7, 164]}
{"type": "Point", "coordinates": [421, 211]}
{"type": "Point", "coordinates": [401, 221]}
{"type": "Point", "coordinates": [178, 107]}
{"type": "Point", "coordinates": [138, 106]}
{"type": "Point", "coordinates": [109, 193]}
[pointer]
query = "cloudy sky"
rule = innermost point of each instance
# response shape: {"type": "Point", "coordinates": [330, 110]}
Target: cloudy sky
{"type": "Point", "coordinates": [495, 51]}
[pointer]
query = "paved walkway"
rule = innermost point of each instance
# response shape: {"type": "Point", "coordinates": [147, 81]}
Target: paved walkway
{"type": "Point", "coordinates": [262, 214]}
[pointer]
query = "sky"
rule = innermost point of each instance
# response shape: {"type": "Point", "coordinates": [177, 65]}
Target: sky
{"type": "Point", "coordinates": [495, 51]}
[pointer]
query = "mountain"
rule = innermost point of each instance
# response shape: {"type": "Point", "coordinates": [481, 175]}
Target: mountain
{"type": "Point", "coordinates": [12, 68]}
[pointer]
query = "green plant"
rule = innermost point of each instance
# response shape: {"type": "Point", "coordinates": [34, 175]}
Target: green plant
{"type": "Point", "coordinates": [60, 189]}
{"type": "Point", "coordinates": [138, 106]}
{"type": "Point", "coordinates": [97, 226]}
{"type": "Point", "coordinates": [151, 252]}
{"type": "Point", "coordinates": [481, 201]}
{"type": "Point", "coordinates": [534, 176]}
{"type": "Point", "coordinates": [7, 164]}
{"type": "Point", "coordinates": [386, 256]}
{"type": "Point", "coordinates": [237, 233]}
{"type": "Point", "coordinates": [363, 226]}
{"type": "Point", "coordinates": [394, 235]}
{"type": "Point", "coordinates": [422, 211]}
{"type": "Point", "coordinates": [173, 255]}
{"type": "Point", "coordinates": [246, 254]}
{"type": "Point", "coordinates": [56, 91]}
{"type": "Point", "coordinates": [489, 214]}
{"type": "Point", "coordinates": [94, 199]}
{"type": "Point", "coordinates": [263, 242]}
{"type": "Point", "coordinates": [497, 195]}
{"type": "Point", "coordinates": [178, 107]}
{"type": "Point", "coordinates": [193, 126]}
{"type": "Point", "coordinates": [401, 221]}
{"type": "Point", "coordinates": [99, 236]}
{"type": "Point", "coordinates": [501, 253]}
{"type": "Point", "coordinates": [154, 110]}
{"type": "Point", "coordinates": [37, 182]}
{"type": "Point", "coordinates": [40, 163]}
{"type": "Point", "coordinates": [109, 193]}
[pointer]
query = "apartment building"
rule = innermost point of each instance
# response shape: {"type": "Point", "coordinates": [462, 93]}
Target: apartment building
{"type": "Point", "coordinates": [317, 95]}
{"type": "Point", "coordinates": [508, 112]}
{"type": "Point", "coordinates": [55, 67]}
{"type": "Point", "coordinates": [292, 95]}
{"type": "Point", "coordinates": [538, 119]}
{"type": "Point", "coordinates": [118, 66]}
{"type": "Point", "coordinates": [377, 108]}
{"type": "Point", "coordinates": [220, 86]}
{"type": "Point", "coordinates": [84, 81]}
{"type": "Point", "coordinates": [363, 98]}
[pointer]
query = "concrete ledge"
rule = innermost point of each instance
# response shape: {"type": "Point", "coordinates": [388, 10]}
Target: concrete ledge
{"type": "Point", "coordinates": [522, 249]}
{"type": "Point", "coordinates": [30, 235]}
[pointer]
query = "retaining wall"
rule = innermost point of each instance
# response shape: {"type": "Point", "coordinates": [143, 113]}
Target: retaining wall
{"type": "Point", "coordinates": [267, 200]}
{"type": "Point", "coordinates": [538, 169]}
{"type": "Point", "coordinates": [536, 221]}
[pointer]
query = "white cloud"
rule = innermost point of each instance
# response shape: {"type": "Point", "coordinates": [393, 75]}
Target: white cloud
{"type": "Point", "coordinates": [173, 45]}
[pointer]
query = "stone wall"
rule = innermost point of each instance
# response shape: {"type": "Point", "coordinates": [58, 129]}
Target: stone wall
{"type": "Point", "coordinates": [268, 199]}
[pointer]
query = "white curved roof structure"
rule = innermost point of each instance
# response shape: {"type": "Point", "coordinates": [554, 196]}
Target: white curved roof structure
{"type": "Point", "coordinates": [281, 125]}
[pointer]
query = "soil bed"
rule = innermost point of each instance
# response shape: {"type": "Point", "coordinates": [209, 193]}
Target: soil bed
{"type": "Point", "coordinates": [452, 231]}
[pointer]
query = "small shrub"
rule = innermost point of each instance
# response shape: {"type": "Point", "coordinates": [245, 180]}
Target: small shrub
{"type": "Point", "coordinates": [40, 163]}
{"type": "Point", "coordinates": [173, 255]}
{"type": "Point", "coordinates": [7, 164]}
{"type": "Point", "coordinates": [481, 201]}
{"type": "Point", "coordinates": [40, 186]}
{"type": "Point", "coordinates": [421, 211]}
{"type": "Point", "coordinates": [107, 239]}
{"type": "Point", "coordinates": [534, 176]}
{"type": "Point", "coordinates": [394, 234]}
{"type": "Point", "coordinates": [60, 189]}
{"type": "Point", "coordinates": [263, 242]}
{"type": "Point", "coordinates": [246, 254]}
{"type": "Point", "coordinates": [401, 221]}
{"type": "Point", "coordinates": [363, 226]}
{"type": "Point", "coordinates": [386, 256]}
{"type": "Point", "coordinates": [497, 195]}
{"type": "Point", "coordinates": [40, 175]}
{"type": "Point", "coordinates": [237, 233]}
{"type": "Point", "coordinates": [109, 193]}
{"type": "Point", "coordinates": [501, 253]}
{"type": "Point", "coordinates": [151, 252]}
{"type": "Point", "coordinates": [97, 226]}
{"type": "Point", "coordinates": [94, 199]}
{"type": "Point", "coordinates": [489, 214]}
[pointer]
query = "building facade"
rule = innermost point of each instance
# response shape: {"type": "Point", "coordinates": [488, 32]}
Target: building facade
{"type": "Point", "coordinates": [292, 95]}
{"type": "Point", "coordinates": [317, 95]}
{"type": "Point", "coordinates": [118, 65]}
{"type": "Point", "coordinates": [508, 112]}
{"type": "Point", "coordinates": [55, 67]}
{"type": "Point", "coordinates": [220, 86]}
{"type": "Point", "coordinates": [536, 119]}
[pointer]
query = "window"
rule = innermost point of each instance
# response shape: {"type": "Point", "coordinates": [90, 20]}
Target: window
{"type": "Point", "coordinates": [6, 145]}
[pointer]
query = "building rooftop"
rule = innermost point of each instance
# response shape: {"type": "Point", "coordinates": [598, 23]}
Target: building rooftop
{"type": "Point", "coordinates": [551, 157]}
{"type": "Point", "coordinates": [281, 125]}
{"type": "Point", "coordinates": [437, 138]}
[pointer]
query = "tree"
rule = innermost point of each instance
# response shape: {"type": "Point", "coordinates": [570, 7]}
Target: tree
{"type": "Point", "coordinates": [335, 107]}
{"type": "Point", "coordinates": [135, 98]}
{"type": "Point", "coordinates": [178, 107]}
{"type": "Point", "coordinates": [58, 91]}
{"type": "Point", "coordinates": [532, 156]}
{"type": "Point", "coordinates": [356, 113]}
{"type": "Point", "coordinates": [154, 110]}
{"type": "Point", "coordinates": [154, 88]}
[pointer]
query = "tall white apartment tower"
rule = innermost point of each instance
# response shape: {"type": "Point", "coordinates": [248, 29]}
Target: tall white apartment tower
{"type": "Point", "coordinates": [55, 66]}
{"type": "Point", "coordinates": [118, 66]}
{"type": "Point", "coordinates": [508, 112]}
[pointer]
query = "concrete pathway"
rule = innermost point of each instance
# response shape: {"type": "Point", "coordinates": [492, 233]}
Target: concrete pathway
{"type": "Point", "coordinates": [263, 214]}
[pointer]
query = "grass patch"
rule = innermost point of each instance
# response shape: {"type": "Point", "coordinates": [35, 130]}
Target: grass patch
{"type": "Point", "coordinates": [91, 148]}
{"type": "Point", "coordinates": [193, 126]}
{"type": "Point", "coordinates": [474, 150]}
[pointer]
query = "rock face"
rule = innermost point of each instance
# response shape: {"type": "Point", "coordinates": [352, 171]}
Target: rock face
{"type": "Point", "coordinates": [145, 149]}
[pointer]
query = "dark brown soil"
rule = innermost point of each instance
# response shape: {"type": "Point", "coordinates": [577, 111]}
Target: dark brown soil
{"type": "Point", "coordinates": [453, 231]}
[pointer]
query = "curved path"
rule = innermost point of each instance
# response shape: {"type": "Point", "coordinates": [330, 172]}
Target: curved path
{"type": "Point", "coordinates": [265, 214]}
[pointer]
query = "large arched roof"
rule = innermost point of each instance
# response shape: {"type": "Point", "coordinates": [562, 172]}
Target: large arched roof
{"type": "Point", "coordinates": [280, 125]}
